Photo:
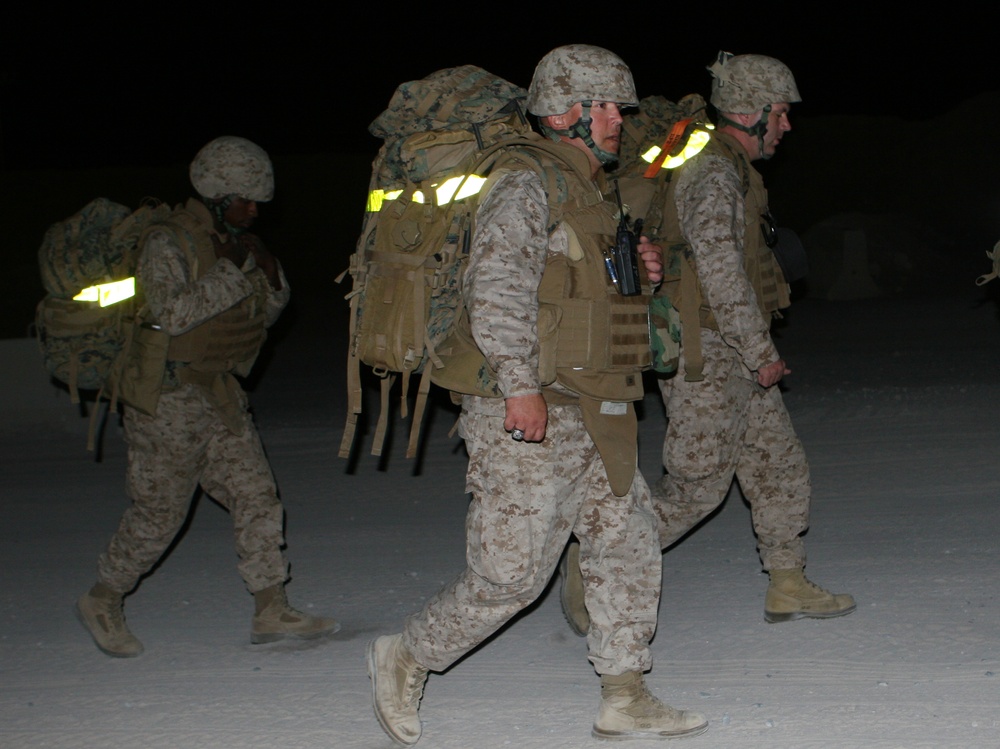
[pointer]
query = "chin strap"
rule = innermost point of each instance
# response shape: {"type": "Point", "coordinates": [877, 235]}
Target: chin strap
{"type": "Point", "coordinates": [218, 210]}
{"type": "Point", "coordinates": [581, 129]}
{"type": "Point", "coordinates": [755, 130]}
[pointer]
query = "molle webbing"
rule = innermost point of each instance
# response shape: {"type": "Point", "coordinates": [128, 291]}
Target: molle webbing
{"type": "Point", "coordinates": [222, 343]}
{"type": "Point", "coordinates": [232, 337]}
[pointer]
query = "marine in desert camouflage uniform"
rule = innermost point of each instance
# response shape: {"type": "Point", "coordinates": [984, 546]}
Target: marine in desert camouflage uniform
{"type": "Point", "coordinates": [725, 412]}
{"type": "Point", "coordinates": [530, 492]}
{"type": "Point", "coordinates": [212, 289]}
{"type": "Point", "coordinates": [732, 420]}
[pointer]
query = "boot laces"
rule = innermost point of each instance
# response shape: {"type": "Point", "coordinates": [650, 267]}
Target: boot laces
{"type": "Point", "coordinates": [114, 614]}
{"type": "Point", "coordinates": [413, 689]}
{"type": "Point", "coordinates": [816, 588]}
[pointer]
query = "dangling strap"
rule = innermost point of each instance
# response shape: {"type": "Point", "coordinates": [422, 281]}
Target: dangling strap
{"type": "Point", "coordinates": [418, 411]}
{"type": "Point", "coordinates": [694, 363]}
{"type": "Point", "coordinates": [115, 374]}
{"type": "Point", "coordinates": [383, 417]}
{"type": "Point", "coordinates": [92, 428]}
{"type": "Point", "coordinates": [74, 372]}
{"type": "Point", "coordinates": [353, 383]}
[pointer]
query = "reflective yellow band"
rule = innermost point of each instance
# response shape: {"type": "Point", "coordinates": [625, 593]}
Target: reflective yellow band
{"type": "Point", "coordinates": [466, 187]}
{"type": "Point", "coordinates": [444, 193]}
{"type": "Point", "coordinates": [376, 197]}
{"type": "Point", "coordinates": [697, 141]}
{"type": "Point", "coordinates": [106, 294]}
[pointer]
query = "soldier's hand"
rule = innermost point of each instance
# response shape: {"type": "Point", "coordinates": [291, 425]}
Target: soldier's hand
{"type": "Point", "coordinates": [528, 413]}
{"type": "Point", "coordinates": [652, 258]}
{"type": "Point", "coordinates": [265, 260]}
{"type": "Point", "coordinates": [772, 373]}
{"type": "Point", "coordinates": [231, 250]}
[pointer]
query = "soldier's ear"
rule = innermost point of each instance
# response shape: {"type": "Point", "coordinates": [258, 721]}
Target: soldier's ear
{"type": "Point", "coordinates": [557, 121]}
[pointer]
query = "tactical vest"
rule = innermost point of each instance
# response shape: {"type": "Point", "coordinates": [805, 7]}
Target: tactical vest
{"type": "Point", "coordinates": [593, 341]}
{"type": "Point", "coordinates": [208, 354]}
{"type": "Point", "coordinates": [681, 284]}
{"type": "Point", "coordinates": [230, 341]}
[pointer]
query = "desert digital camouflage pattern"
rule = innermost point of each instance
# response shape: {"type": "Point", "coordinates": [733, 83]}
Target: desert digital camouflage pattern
{"type": "Point", "coordinates": [199, 434]}
{"type": "Point", "coordinates": [191, 446]}
{"type": "Point", "coordinates": [231, 165]}
{"type": "Point", "coordinates": [744, 84]}
{"type": "Point", "coordinates": [528, 498]}
{"type": "Point", "coordinates": [725, 423]}
{"type": "Point", "coordinates": [579, 72]}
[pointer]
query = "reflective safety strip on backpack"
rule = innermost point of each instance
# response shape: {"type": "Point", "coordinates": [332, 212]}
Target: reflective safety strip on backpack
{"type": "Point", "coordinates": [685, 139]}
{"type": "Point", "coordinates": [106, 294]}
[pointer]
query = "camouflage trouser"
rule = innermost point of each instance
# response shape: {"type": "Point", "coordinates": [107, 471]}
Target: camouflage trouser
{"type": "Point", "coordinates": [723, 425]}
{"type": "Point", "coordinates": [526, 500]}
{"type": "Point", "coordinates": [186, 444]}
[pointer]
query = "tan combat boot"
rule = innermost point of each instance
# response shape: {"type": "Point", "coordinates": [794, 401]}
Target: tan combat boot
{"type": "Point", "coordinates": [275, 620]}
{"type": "Point", "coordinates": [571, 591]}
{"type": "Point", "coordinates": [101, 611]}
{"type": "Point", "coordinates": [629, 711]}
{"type": "Point", "coordinates": [397, 686]}
{"type": "Point", "coordinates": [791, 595]}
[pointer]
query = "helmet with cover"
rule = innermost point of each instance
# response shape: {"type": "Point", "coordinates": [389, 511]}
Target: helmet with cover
{"type": "Point", "coordinates": [231, 165]}
{"type": "Point", "coordinates": [580, 73]}
{"type": "Point", "coordinates": [744, 84]}
{"type": "Point", "coordinates": [747, 84]}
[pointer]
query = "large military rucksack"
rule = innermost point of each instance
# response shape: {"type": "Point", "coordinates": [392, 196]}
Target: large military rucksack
{"type": "Point", "coordinates": [442, 135]}
{"type": "Point", "coordinates": [87, 263]}
{"type": "Point", "coordinates": [656, 138]}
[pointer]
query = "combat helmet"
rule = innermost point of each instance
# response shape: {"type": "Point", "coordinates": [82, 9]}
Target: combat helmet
{"type": "Point", "coordinates": [746, 84]}
{"type": "Point", "coordinates": [580, 73]}
{"type": "Point", "coordinates": [229, 166]}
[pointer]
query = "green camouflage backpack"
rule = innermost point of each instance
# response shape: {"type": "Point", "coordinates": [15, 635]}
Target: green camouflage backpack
{"type": "Point", "coordinates": [657, 138]}
{"type": "Point", "coordinates": [441, 136]}
{"type": "Point", "coordinates": [87, 263]}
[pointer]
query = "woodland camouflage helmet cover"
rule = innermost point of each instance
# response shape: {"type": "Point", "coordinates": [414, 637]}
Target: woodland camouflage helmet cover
{"type": "Point", "coordinates": [233, 166]}
{"type": "Point", "coordinates": [744, 84]}
{"type": "Point", "coordinates": [579, 72]}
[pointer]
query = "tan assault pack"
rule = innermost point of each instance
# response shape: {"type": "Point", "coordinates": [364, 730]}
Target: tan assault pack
{"type": "Point", "coordinates": [441, 137]}
{"type": "Point", "coordinates": [657, 138]}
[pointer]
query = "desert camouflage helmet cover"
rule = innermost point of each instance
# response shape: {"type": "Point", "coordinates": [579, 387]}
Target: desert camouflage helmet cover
{"type": "Point", "coordinates": [579, 72]}
{"type": "Point", "coordinates": [233, 166]}
{"type": "Point", "coordinates": [744, 84]}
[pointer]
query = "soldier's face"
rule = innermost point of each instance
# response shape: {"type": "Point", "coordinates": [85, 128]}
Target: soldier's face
{"type": "Point", "coordinates": [777, 125]}
{"type": "Point", "coordinates": [605, 125]}
{"type": "Point", "coordinates": [241, 212]}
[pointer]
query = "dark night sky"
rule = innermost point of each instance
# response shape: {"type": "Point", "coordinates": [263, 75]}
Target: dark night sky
{"type": "Point", "coordinates": [133, 89]}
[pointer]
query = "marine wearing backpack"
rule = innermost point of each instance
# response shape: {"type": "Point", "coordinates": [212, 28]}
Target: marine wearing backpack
{"type": "Point", "coordinates": [658, 137]}
{"type": "Point", "coordinates": [85, 321]}
{"type": "Point", "coordinates": [443, 136]}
